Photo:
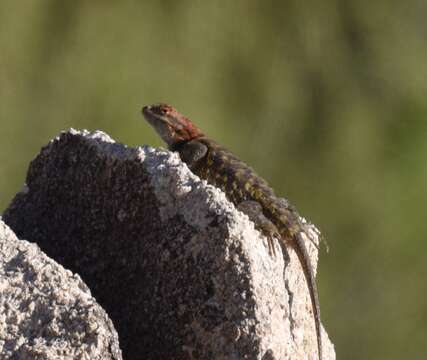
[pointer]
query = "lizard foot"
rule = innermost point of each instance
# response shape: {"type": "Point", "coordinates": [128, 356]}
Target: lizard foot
{"type": "Point", "coordinates": [254, 211]}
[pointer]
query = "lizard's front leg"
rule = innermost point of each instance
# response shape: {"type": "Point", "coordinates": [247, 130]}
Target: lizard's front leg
{"type": "Point", "coordinates": [254, 211]}
{"type": "Point", "coordinates": [192, 152]}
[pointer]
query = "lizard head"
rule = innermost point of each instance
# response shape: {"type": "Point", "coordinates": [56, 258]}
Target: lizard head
{"type": "Point", "coordinates": [171, 126]}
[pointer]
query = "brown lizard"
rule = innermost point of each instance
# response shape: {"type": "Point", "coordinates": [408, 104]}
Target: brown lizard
{"type": "Point", "coordinates": [273, 216]}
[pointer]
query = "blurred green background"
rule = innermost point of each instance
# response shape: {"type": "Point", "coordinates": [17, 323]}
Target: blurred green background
{"type": "Point", "coordinates": [327, 100]}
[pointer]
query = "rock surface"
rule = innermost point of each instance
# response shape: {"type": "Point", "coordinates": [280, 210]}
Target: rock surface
{"type": "Point", "coordinates": [180, 271]}
{"type": "Point", "coordinates": [47, 312]}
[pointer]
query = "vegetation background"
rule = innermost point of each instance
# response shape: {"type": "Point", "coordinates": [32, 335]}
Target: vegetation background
{"type": "Point", "coordinates": [326, 99]}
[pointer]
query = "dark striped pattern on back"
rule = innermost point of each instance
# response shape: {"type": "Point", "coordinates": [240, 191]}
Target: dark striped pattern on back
{"type": "Point", "coordinates": [240, 183]}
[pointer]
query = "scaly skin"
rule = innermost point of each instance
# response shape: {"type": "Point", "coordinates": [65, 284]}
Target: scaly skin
{"type": "Point", "coordinates": [251, 194]}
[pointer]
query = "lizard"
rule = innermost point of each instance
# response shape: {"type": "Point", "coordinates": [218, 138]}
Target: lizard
{"type": "Point", "coordinates": [273, 216]}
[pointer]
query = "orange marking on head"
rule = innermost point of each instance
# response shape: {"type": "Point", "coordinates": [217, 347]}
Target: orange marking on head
{"type": "Point", "coordinates": [172, 126]}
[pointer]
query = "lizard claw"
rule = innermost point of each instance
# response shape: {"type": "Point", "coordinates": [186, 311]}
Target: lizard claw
{"type": "Point", "coordinates": [271, 247]}
{"type": "Point", "coordinates": [317, 244]}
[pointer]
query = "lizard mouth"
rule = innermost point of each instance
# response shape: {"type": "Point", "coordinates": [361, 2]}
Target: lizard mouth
{"type": "Point", "coordinates": [151, 115]}
{"type": "Point", "coordinates": [147, 111]}
{"type": "Point", "coordinates": [159, 110]}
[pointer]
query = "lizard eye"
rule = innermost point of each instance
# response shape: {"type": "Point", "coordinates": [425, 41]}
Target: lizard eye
{"type": "Point", "coordinates": [164, 110]}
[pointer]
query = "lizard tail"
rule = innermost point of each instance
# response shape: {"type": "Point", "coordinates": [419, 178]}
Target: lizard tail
{"type": "Point", "coordinates": [304, 259]}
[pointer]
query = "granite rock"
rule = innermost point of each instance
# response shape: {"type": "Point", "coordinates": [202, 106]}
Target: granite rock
{"type": "Point", "coordinates": [180, 271]}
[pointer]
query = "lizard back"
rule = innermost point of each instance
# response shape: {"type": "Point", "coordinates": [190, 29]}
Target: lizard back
{"type": "Point", "coordinates": [241, 183]}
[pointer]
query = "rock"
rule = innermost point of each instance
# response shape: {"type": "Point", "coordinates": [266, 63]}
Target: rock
{"type": "Point", "coordinates": [180, 271]}
{"type": "Point", "coordinates": [47, 312]}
